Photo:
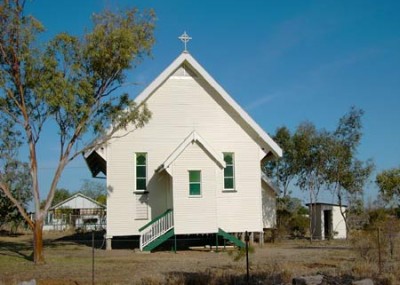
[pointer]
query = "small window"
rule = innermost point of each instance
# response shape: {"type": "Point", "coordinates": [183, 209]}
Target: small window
{"type": "Point", "coordinates": [141, 171]}
{"type": "Point", "coordinates": [229, 171]}
{"type": "Point", "coordinates": [194, 182]}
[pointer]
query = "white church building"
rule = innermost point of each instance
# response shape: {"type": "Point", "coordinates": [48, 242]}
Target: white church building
{"type": "Point", "coordinates": [194, 168]}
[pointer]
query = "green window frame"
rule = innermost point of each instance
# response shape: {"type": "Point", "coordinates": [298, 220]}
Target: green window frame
{"type": "Point", "coordinates": [194, 182]}
{"type": "Point", "coordinates": [229, 171]}
{"type": "Point", "coordinates": [141, 171]}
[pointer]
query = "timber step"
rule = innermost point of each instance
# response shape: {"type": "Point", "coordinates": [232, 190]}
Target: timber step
{"type": "Point", "coordinates": [159, 240]}
{"type": "Point", "coordinates": [231, 238]}
{"type": "Point", "coordinates": [156, 231]}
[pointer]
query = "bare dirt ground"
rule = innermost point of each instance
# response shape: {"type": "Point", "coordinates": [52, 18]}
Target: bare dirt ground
{"type": "Point", "coordinates": [70, 262]}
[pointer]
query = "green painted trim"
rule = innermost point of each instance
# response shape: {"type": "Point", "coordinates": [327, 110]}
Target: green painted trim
{"type": "Point", "coordinates": [231, 238]}
{"type": "Point", "coordinates": [155, 219]}
{"type": "Point", "coordinates": [159, 240]}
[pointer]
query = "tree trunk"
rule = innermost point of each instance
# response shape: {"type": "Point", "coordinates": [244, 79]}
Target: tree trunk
{"type": "Point", "coordinates": [38, 257]}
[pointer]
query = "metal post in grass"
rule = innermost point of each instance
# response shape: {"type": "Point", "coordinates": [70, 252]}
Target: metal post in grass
{"type": "Point", "coordinates": [216, 242]}
{"type": "Point", "coordinates": [246, 238]}
{"type": "Point", "coordinates": [92, 257]}
{"type": "Point", "coordinates": [379, 251]}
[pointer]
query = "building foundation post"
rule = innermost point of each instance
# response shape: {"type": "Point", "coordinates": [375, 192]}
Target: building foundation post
{"type": "Point", "coordinates": [261, 239]}
{"type": "Point", "coordinates": [108, 242]}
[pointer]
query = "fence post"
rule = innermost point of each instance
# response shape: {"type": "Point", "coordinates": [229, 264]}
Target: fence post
{"type": "Point", "coordinates": [246, 238]}
{"type": "Point", "coordinates": [92, 257]}
{"type": "Point", "coordinates": [379, 251]}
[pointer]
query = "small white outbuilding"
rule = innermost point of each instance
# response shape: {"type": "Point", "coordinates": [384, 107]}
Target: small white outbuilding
{"type": "Point", "coordinates": [79, 212]}
{"type": "Point", "coordinates": [327, 221]}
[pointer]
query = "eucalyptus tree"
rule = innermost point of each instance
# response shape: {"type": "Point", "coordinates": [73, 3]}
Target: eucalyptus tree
{"type": "Point", "coordinates": [311, 156]}
{"type": "Point", "coordinates": [388, 182]}
{"type": "Point", "coordinates": [346, 175]}
{"type": "Point", "coordinates": [283, 170]}
{"type": "Point", "coordinates": [71, 84]}
{"type": "Point", "coordinates": [14, 174]}
{"type": "Point", "coordinates": [95, 190]}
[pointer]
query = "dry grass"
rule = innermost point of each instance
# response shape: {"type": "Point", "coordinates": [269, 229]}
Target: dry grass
{"type": "Point", "coordinates": [71, 263]}
{"type": "Point", "coordinates": [377, 258]}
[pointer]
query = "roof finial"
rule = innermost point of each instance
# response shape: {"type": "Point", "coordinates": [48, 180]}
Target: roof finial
{"type": "Point", "coordinates": [185, 39]}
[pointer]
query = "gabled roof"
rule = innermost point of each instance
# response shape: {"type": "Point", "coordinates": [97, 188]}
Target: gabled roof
{"type": "Point", "coordinates": [256, 132]}
{"type": "Point", "coordinates": [325, 204]}
{"type": "Point", "coordinates": [268, 181]}
{"type": "Point", "coordinates": [96, 162]}
{"type": "Point", "coordinates": [192, 138]}
{"type": "Point", "coordinates": [75, 196]}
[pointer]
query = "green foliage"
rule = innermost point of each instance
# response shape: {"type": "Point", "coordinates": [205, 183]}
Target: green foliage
{"type": "Point", "coordinates": [311, 157]}
{"type": "Point", "coordinates": [345, 172]}
{"type": "Point", "coordinates": [13, 173]}
{"type": "Point", "coordinates": [72, 83]}
{"type": "Point", "coordinates": [95, 190]}
{"type": "Point", "coordinates": [292, 217]}
{"type": "Point", "coordinates": [388, 182]}
{"type": "Point", "coordinates": [283, 170]}
{"type": "Point", "coordinates": [70, 80]}
{"type": "Point", "coordinates": [298, 225]}
{"type": "Point", "coordinates": [317, 159]}
{"type": "Point", "coordinates": [60, 195]}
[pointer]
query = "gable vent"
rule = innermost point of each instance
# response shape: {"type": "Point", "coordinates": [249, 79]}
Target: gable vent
{"type": "Point", "coordinates": [184, 72]}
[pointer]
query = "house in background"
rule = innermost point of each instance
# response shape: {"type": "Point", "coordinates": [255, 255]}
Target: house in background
{"type": "Point", "coordinates": [195, 168]}
{"type": "Point", "coordinates": [79, 212]}
{"type": "Point", "coordinates": [327, 221]}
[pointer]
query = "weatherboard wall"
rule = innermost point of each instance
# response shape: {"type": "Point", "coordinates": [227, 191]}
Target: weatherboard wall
{"type": "Point", "coordinates": [182, 104]}
{"type": "Point", "coordinates": [195, 213]}
{"type": "Point", "coordinates": [268, 206]}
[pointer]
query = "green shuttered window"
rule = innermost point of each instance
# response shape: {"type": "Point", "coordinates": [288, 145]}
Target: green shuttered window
{"type": "Point", "coordinates": [229, 171]}
{"type": "Point", "coordinates": [141, 171]}
{"type": "Point", "coordinates": [194, 182]}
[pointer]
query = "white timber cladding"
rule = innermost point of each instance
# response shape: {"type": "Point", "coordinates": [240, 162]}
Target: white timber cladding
{"type": "Point", "coordinates": [180, 106]}
{"type": "Point", "coordinates": [194, 214]}
{"type": "Point", "coordinates": [339, 226]}
{"type": "Point", "coordinates": [328, 213]}
{"type": "Point", "coordinates": [141, 207]}
{"type": "Point", "coordinates": [268, 206]}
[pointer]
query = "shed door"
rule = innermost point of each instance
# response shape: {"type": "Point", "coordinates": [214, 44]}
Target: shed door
{"type": "Point", "coordinates": [328, 224]}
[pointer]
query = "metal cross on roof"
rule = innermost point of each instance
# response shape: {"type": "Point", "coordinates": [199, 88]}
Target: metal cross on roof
{"type": "Point", "coordinates": [185, 39]}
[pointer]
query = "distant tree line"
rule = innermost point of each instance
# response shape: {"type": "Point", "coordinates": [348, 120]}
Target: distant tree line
{"type": "Point", "coordinates": [92, 189]}
{"type": "Point", "coordinates": [316, 160]}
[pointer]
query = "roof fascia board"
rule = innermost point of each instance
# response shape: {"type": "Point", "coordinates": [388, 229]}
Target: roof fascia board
{"type": "Point", "coordinates": [193, 137]}
{"type": "Point", "coordinates": [150, 89]}
{"type": "Point", "coordinates": [276, 150]}
{"type": "Point", "coordinates": [272, 146]}
{"type": "Point", "coordinates": [265, 178]}
{"type": "Point", "coordinates": [74, 196]}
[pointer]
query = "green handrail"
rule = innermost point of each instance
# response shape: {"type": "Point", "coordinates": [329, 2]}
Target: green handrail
{"type": "Point", "coordinates": [231, 238]}
{"type": "Point", "coordinates": [155, 219]}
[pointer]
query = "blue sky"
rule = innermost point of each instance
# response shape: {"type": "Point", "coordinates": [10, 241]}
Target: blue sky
{"type": "Point", "coordinates": [284, 62]}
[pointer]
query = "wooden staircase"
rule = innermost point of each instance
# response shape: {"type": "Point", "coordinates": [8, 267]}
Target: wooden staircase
{"type": "Point", "coordinates": [161, 228]}
{"type": "Point", "coordinates": [157, 231]}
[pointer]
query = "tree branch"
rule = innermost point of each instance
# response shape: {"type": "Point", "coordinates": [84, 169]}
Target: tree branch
{"type": "Point", "coordinates": [21, 209]}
